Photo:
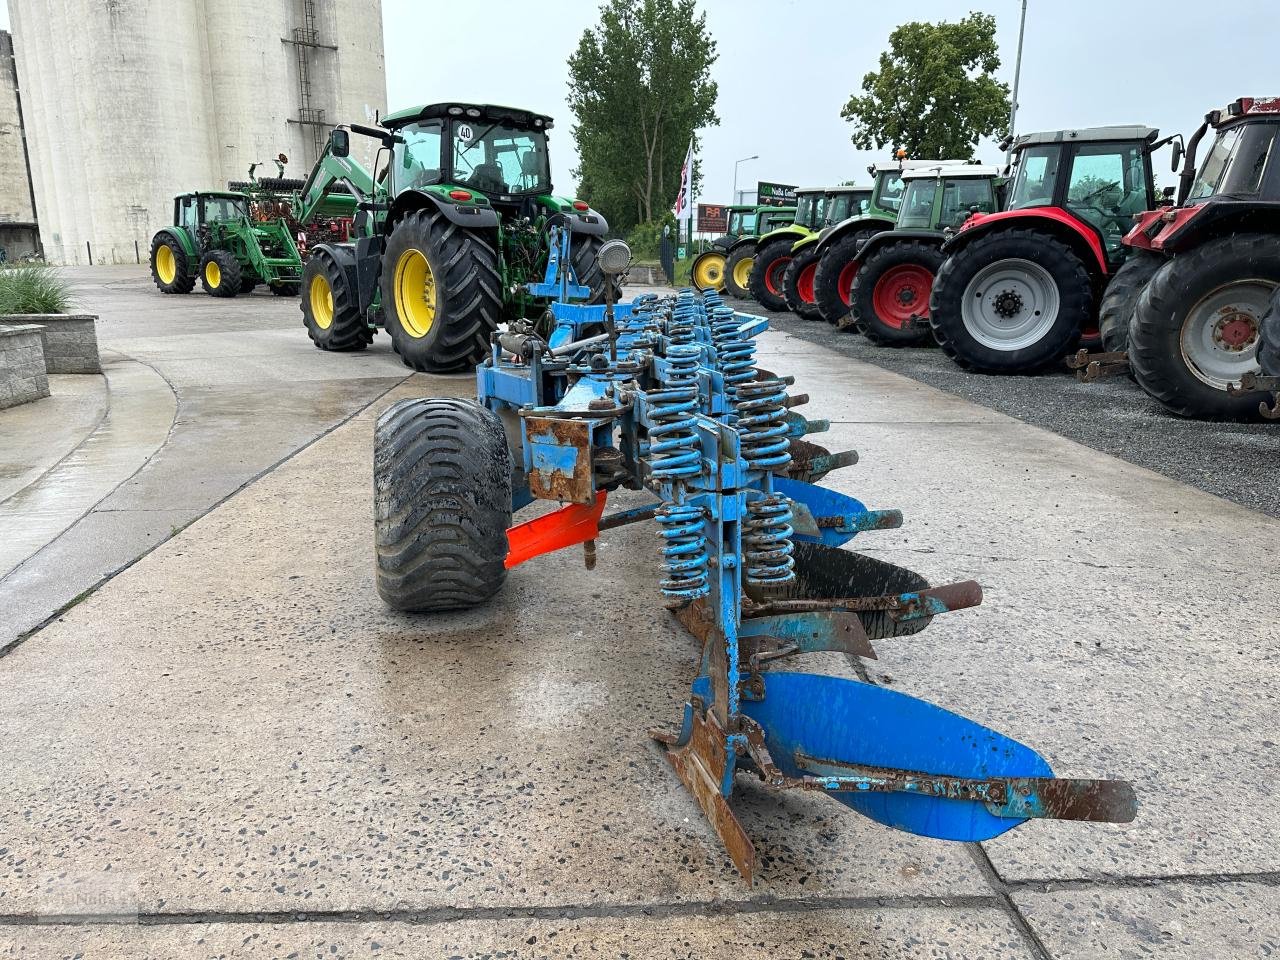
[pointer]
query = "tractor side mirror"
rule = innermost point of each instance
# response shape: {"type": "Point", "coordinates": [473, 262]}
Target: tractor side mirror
{"type": "Point", "coordinates": [340, 143]}
{"type": "Point", "coordinates": [1177, 153]}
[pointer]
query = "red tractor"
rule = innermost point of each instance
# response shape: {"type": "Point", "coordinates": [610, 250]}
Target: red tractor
{"type": "Point", "coordinates": [1020, 288]}
{"type": "Point", "coordinates": [1195, 330]}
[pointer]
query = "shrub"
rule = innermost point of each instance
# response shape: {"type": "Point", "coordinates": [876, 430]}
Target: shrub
{"type": "Point", "coordinates": [33, 288]}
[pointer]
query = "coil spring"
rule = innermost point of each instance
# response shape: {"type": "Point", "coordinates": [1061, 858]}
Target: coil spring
{"type": "Point", "coordinates": [684, 552]}
{"type": "Point", "coordinates": [684, 317]}
{"type": "Point", "coordinates": [762, 426]}
{"type": "Point", "coordinates": [767, 545]}
{"type": "Point", "coordinates": [735, 354]}
{"type": "Point", "coordinates": [673, 445]}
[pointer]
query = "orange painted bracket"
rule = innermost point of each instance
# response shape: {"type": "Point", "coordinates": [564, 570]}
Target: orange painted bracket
{"type": "Point", "coordinates": [576, 523]}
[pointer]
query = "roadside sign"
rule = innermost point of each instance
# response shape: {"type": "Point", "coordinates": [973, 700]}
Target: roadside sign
{"type": "Point", "coordinates": [713, 218]}
{"type": "Point", "coordinates": [775, 194]}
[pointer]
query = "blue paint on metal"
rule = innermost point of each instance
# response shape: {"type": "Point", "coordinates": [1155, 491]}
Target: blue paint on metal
{"type": "Point", "coordinates": [823, 503]}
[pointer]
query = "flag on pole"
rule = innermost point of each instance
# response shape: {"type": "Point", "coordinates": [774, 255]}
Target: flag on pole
{"type": "Point", "coordinates": [684, 199]}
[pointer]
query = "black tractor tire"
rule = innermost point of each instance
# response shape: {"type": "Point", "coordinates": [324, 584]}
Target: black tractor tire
{"type": "Point", "coordinates": [1168, 307]}
{"type": "Point", "coordinates": [583, 251]}
{"type": "Point", "coordinates": [767, 272]}
{"type": "Point", "coordinates": [281, 184]}
{"type": "Point", "coordinates": [707, 270]}
{"type": "Point", "coordinates": [442, 504]}
{"type": "Point", "coordinates": [1269, 338]}
{"type": "Point", "coordinates": [452, 334]}
{"type": "Point", "coordinates": [183, 280]}
{"type": "Point", "coordinates": [285, 289]}
{"type": "Point", "coordinates": [832, 284]}
{"type": "Point", "coordinates": [226, 279]}
{"type": "Point", "coordinates": [1121, 298]}
{"type": "Point", "coordinates": [731, 266]}
{"type": "Point", "coordinates": [1065, 271]}
{"type": "Point", "coordinates": [799, 275]}
{"type": "Point", "coordinates": [901, 274]}
{"type": "Point", "coordinates": [247, 284]}
{"type": "Point", "coordinates": [330, 306]}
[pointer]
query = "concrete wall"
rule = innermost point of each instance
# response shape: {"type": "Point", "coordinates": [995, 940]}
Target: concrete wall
{"type": "Point", "coordinates": [17, 216]}
{"type": "Point", "coordinates": [130, 102]}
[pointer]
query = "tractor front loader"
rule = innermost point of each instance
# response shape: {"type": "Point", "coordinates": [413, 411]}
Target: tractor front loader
{"type": "Point", "coordinates": [668, 401]}
{"type": "Point", "coordinates": [453, 234]}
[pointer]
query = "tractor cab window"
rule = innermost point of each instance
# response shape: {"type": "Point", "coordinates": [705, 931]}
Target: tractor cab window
{"type": "Point", "coordinates": [917, 203]}
{"type": "Point", "coordinates": [1036, 178]}
{"type": "Point", "coordinates": [1108, 186]}
{"type": "Point", "coordinates": [497, 159]}
{"type": "Point", "coordinates": [187, 213]}
{"type": "Point", "coordinates": [845, 205]}
{"type": "Point", "coordinates": [741, 222]}
{"type": "Point", "coordinates": [1237, 162]}
{"type": "Point", "coordinates": [416, 162]}
{"type": "Point", "coordinates": [224, 208]}
{"type": "Point", "coordinates": [961, 197]}
{"type": "Point", "coordinates": [805, 203]}
{"type": "Point", "coordinates": [889, 191]}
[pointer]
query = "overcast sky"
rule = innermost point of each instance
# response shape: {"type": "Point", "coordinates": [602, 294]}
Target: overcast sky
{"type": "Point", "coordinates": [1085, 63]}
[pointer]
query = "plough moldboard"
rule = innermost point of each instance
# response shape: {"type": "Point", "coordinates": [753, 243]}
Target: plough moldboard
{"type": "Point", "coordinates": [668, 399]}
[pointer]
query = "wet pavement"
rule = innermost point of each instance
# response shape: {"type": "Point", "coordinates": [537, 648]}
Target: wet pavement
{"type": "Point", "coordinates": [257, 759]}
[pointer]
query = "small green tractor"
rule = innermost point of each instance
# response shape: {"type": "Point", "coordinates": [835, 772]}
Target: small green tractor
{"type": "Point", "coordinates": [893, 270]}
{"type": "Point", "coordinates": [741, 254]}
{"type": "Point", "coordinates": [232, 241]}
{"type": "Point", "coordinates": [452, 236]}
{"type": "Point", "coordinates": [707, 270]}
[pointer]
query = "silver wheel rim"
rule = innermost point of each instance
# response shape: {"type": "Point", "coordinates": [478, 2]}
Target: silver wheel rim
{"type": "Point", "coordinates": [1010, 304]}
{"type": "Point", "coordinates": [1219, 337]}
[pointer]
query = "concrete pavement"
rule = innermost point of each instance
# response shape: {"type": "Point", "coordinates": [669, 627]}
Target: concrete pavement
{"type": "Point", "coordinates": [257, 759]}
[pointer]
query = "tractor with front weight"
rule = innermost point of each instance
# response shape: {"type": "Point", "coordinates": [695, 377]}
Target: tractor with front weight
{"type": "Point", "coordinates": [741, 254]}
{"type": "Point", "coordinates": [668, 411]}
{"type": "Point", "coordinates": [707, 269]}
{"type": "Point", "coordinates": [227, 241]}
{"type": "Point", "coordinates": [1019, 289]}
{"type": "Point", "coordinates": [893, 270]}
{"type": "Point", "coordinates": [453, 235]}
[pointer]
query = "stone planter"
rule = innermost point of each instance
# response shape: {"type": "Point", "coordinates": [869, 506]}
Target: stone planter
{"type": "Point", "coordinates": [22, 373]}
{"type": "Point", "coordinates": [70, 340]}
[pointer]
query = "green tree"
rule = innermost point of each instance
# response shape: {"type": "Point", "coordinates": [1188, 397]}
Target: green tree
{"type": "Point", "coordinates": [933, 95]}
{"type": "Point", "coordinates": [640, 87]}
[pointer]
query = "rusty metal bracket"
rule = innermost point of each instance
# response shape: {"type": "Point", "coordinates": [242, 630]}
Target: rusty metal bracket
{"type": "Point", "coordinates": [1094, 366]}
{"type": "Point", "coordinates": [1255, 383]}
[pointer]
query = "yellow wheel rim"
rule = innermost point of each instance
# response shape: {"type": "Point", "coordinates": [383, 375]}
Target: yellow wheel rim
{"type": "Point", "coordinates": [321, 297]}
{"type": "Point", "coordinates": [708, 272]}
{"type": "Point", "coordinates": [415, 289]}
{"type": "Point", "coordinates": [212, 274]}
{"type": "Point", "coordinates": [742, 272]}
{"type": "Point", "coordinates": [166, 264]}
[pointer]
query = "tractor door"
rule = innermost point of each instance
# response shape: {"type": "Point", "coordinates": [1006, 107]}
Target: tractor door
{"type": "Point", "coordinates": [887, 197]}
{"type": "Point", "coordinates": [186, 214]}
{"type": "Point", "coordinates": [1107, 185]}
{"type": "Point", "coordinates": [962, 197]}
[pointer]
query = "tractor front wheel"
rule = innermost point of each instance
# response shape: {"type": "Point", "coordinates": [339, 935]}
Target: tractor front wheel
{"type": "Point", "coordinates": [442, 504]}
{"type": "Point", "coordinates": [707, 272]}
{"type": "Point", "coordinates": [1269, 338]}
{"type": "Point", "coordinates": [330, 307]}
{"type": "Point", "coordinates": [891, 293]}
{"type": "Point", "coordinates": [170, 269]}
{"type": "Point", "coordinates": [767, 271]}
{"type": "Point", "coordinates": [737, 271]}
{"type": "Point", "coordinates": [1121, 298]}
{"type": "Point", "coordinates": [833, 280]}
{"type": "Point", "coordinates": [1196, 327]}
{"type": "Point", "coordinates": [797, 284]}
{"type": "Point", "coordinates": [441, 293]}
{"type": "Point", "coordinates": [220, 274]}
{"type": "Point", "coordinates": [1010, 302]}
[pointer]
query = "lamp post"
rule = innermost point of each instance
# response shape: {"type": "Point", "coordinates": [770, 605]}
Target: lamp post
{"type": "Point", "coordinates": [1017, 75]}
{"type": "Point", "coordinates": [736, 198]}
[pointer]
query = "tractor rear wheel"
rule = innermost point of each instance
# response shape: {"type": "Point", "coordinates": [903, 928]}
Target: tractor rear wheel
{"type": "Point", "coordinates": [441, 293]}
{"type": "Point", "coordinates": [330, 307]}
{"type": "Point", "coordinates": [220, 274]}
{"type": "Point", "coordinates": [833, 280]}
{"type": "Point", "coordinates": [737, 271]}
{"type": "Point", "coordinates": [1010, 302]}
{"type": "Point", "coordinates": [442, 504]}
{"type": "Point", "coordinates": [285, 289]}
{"type": "Point", "coordinates": [891, 293]}
{"type": "Point", "coordinates": [584, 251]}
{"type": "Point", "coordinates": [170, 269]}
{"type": "Point", "coordinates": [767, 271]}
{"type": "Point", "coordinates": [1195, 329]}
{"type": "Point", "coordinates": [797, 284]}
{"type": "Point", "coordinates": [707, 272]}
{"type": "Point", "coordinates": [1121, 298]}
{"type": "Point", "coordinates": [1269, 338]}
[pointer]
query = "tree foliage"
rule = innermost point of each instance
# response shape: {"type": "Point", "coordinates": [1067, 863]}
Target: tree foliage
{"type": "Point", "coordinates": [640, 87]}
{"type": "Point", "coordinates": [934, 94]}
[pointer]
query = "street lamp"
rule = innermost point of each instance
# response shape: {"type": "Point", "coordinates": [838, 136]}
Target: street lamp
{"type": "Point", "coordinates": [736, 198]}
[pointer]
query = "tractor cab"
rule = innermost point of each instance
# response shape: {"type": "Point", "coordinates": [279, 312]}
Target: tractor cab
{"type": "Point", "coordinates": [742, 221]}
{"type": "Point", "coordinates": [944, 196]}
{"type": "Point", "coordinates": [810, 208]}
{"type": "Point", "coordinates": [196, 210]}
{"type": "Point", "coordinates": [846, 202]}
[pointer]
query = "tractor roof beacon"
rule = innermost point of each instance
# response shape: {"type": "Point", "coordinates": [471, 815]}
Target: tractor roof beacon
{"type": "Point", "coordinates": [1019, 288]}
{"type": "Point", "coordinates": [893, 270]}
{"type": "Point", "coordinates": [456, 234]}
{"type": "Point", "coordinates": [1195, 332]}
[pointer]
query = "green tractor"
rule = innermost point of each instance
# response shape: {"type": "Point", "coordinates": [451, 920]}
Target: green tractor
{"type": "Point", "coordinates": [894, 269]}
{"type": "Point", "coordinates": [707, 270]}
{"type": "Point", "coordinates": [230, 242]}
{"type": "Point", "coordinates": [741, 254]}
{"type": "Point", "coordinates": [452, 236]}
{"type": "Point", "coordinates": [798, 275]}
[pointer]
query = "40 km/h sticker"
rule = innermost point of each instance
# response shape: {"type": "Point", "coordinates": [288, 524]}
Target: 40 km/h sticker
{"type": "Point", "coordinates": [465, 133]}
